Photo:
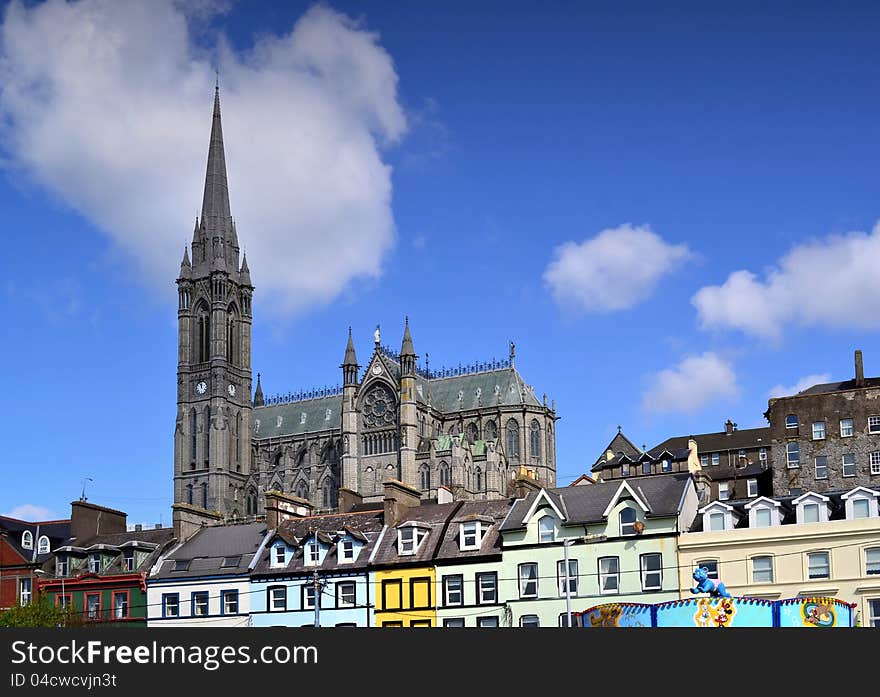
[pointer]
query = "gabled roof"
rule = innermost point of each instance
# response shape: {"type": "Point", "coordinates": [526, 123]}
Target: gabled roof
{"type": "Point", "coordinates": [762, 499]}
{"type": "Point", "coordinates": [544, 495]}
{"type": "Point", "coordinates": [810, 494]}
{"type": "Point", "coordinates": [491, 514]}
{"type": "Point", "coordinates": [860, 489]}
{"type": "Point", "coordinates": [717, 504]}
{"type": "Point", "coordinates": [738, 439]}
{"type": "Point", "coordinates": [58, 531]}
{"type": "Point", "coordinates": [434, 517]}
{"type": "Point", "coordinates": [619, 444]}
{"type": "Point", "coordinates": [623, 489]}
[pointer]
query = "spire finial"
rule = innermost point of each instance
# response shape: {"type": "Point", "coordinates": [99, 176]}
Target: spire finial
{"type": "Point", "coordinates": [619, 429]}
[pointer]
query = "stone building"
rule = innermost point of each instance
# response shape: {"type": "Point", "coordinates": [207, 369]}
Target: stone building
{"type": "Point", "coordinates": [827, 437]}
{"type": "Point", "coordinates": [470, 429]}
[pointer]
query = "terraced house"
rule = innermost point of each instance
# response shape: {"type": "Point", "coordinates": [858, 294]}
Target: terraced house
{"type": "Point", "coordinates": [24, 548]}
{"type": "Point", "coordinates": [581, 546]}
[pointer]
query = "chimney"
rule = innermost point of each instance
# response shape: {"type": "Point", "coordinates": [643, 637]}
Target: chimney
{"type": "Point", "coordinates": [88, 520]}
{"type": "Point", "coordinates": [281, 507]}
{"type": "Point", "coordinates": [399, 498]}
{"type": "Point", "coordinates": [523, 484]}
{"type": "Point", "coordinates": [188, 520]}
{"type": "Point", "coordinates": [729, 427]}
{"type": "Point", "coordinates": [860, 369]}
{"type": "Point", "coordinates": [444, 495]}
{"type": "Point", "coordinates": [138, 527]}
{"type": "Point", "coordinates": [348, 499]}
{"type": "Point", "coordinates": [609, 455]}
{"type": "Point", "coordinates": [157, 526]}
{"type": "Point", "coordinates": [694, 456]}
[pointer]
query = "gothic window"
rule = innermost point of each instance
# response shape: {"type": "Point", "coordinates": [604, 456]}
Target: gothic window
{"type": "Point", "coordinates": [238, 442]}
{"type": "Point", "coordinates": [193, 430]}
{"type": "Point", "coordinates": [207, 452]}
{"type": "Point", "coordinates": [232, 343]}
{"type": "Point", "coordinates": [302, 489]}
{"type": "Point", "coordinates": [425, 477]}
{"type": "Point", "coordinates": [512, 438]}
{"type": "Point", "coordinates": [204, 494]}
{"type": "Point", "coordinates": [491, 430]}
{"type": "Point", "coordinates": [277, 487]}
{"type": "Point", "coordinates": [535, 439]}
{"type": "Point", "coordinates": [473, 433]}
{"type": "Point", "coordinates": [327, 492]}
{"type": "Point", "coordinates": [251, 502]}
{"type": "Point", "coordinates": [380, 408]}
{"type": "Point", "coordinates": [202, 335]}
{"type": "Point", "coordinates": [189, 493]}
{"type": "Point", "coordinates": [444, 474]}
{"type": "Point", "coordinates": [478, 479]}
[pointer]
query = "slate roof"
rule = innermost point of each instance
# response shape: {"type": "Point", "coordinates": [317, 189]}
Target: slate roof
{"type": "Point", "coordinates": [655, 455]}
{"type": "Point", "coordinates": [208, 549]}
{"type": "Point", "coordinates": [619, 444]}
{"type": "Point", "coordinates": [739, 439]}
{"type": "Point", "coordinates": [58, 531]}
{"type": "Point", "coordinates": [434, 517]}
{"type": "Point", "coordinates": [266, 418]}
{"type": "Point", "coordinates": [839, 386]}
{"type": "Point", "coordinates": [162, 538]}
{"type": "Point", "coordinates": [586, 504]}
{"type": "Point", "coordinates": [495, 511]}
{"type": "Point", "coordinates": [366, 524]}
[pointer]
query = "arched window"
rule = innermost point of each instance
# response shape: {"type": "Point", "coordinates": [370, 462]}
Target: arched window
{"type": "Point", "coordinates": [238, 442]}
{"type": "Point", "coordinates": [43, 545]}
{"type": "Point", "coordinates": [207, 453]}
{"type": "Point", "coordinates": [473, 433]}
{"type": "Point", "coordinates": [27, 540]}
{"type": "Point", "coordinates": [512, 438]}
{"type": "Point", "coordinates": [425, 477]}
{"type": "Point", "coordinates": [327, 493]}
{"type": "Point", "coordinates": [194, 431]}
{"type": "Point", "coordinates": [627, 521]}
{"type": "Point", "coordinates": [491, 430]}
{"type": "Point", "coordinates": [478, 479]}
{"type": "Point", "coordinates": [202, 334]}
{"type": "Point", "coordinates": [444, 474]}
{"type": "Point", "coordinates": [546, 529]}
{"type": "Point", "coordinates": [277, 486]}
{"type": "Point", "coordinates": [535, 439]}
{"type": "Point", "coordinates": [205, 495]}
{"type": "Point", "coordinates": [302, 489]}
{"type": "Point", "coordinates": [189, 494]}
{"type": "Point", "coordinates": [251, 502]}
{"type": "Point", "coordinates": [232, 353]}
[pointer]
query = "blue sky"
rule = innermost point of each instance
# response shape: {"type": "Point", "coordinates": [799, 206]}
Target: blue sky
{"type": "Point", "coordinates": [670, 211]}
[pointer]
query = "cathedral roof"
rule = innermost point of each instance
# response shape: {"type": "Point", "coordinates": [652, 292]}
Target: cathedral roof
{"type": "Point", "coordinates": [504, 387]}
{"type": "Point", "coordinates": [293, 418]}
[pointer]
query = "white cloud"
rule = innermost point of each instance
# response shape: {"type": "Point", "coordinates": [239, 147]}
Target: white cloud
{"type": "Point", "coordinates": [30, 513]}
{"type": "Point", "coordinates": [802, 384]}
{"type": "Point", "coordinates": [831, 283]}
{"type": "Point", "coordinates": [690, 385]}
{"type": "Point", "coordinates": [614, 270]}
{"type": "Point", "coordinates": [107, 104]}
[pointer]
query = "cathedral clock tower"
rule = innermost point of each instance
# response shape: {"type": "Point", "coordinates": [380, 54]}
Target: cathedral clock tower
{"type": "Point", "coordinates": [212, 438]}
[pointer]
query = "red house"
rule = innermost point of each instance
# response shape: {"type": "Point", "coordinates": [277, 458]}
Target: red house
{"type": "Point", "coordinates": [25, 547]}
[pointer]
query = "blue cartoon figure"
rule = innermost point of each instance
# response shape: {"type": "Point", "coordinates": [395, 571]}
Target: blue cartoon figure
{"type": "Point", "coordinates": [715, 589]}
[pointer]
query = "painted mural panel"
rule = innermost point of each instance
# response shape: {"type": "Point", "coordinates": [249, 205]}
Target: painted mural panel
{"type": "Point", "coordinates": [618, 615]}
{"type": "Point", "coordinates": [716, 612]}
{"type": "Point", "coordinates": [815, 612]}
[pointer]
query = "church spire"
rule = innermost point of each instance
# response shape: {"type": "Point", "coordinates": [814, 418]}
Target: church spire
{"type": "Point", "coordinates": [350, 363]}
{"type": "Point", "coordinates": [245, 273]}
{"type": "Point", "coordinates": [407, 352]}
{"type": "Point", "coordinates": [258, 394]}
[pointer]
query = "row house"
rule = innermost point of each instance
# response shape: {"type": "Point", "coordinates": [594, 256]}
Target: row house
{"type": "Point", "coordinates": [816, 544]}
{"type": "Point", "coordinates": [24, 548]}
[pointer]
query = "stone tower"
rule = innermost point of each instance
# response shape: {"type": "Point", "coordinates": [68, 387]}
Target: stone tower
{"type": "Point", "coordinates": [349, 417]}
{"type": "Point", "coordinates": [212, 439]}
{"type": "Point", "coordinates": [409, 417]}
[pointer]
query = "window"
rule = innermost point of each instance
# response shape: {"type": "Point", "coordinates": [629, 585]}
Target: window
{"type": "Point", "coordinates": [230, 562]}
{"type": "Point", "coordinates": [711, 565]}
{"type": "Point", "coordinates": [128, 560]}
{"type": "Point", "coordinates": [345, 594]}
{"type": "Point", "coordinates": [27, 540]}
{"type": "Point", "coordinates": [512, 438]}
{"type": "Point", "coordinates": [43, 545]}
{"type": "Point", "coordinates": [818, 565]}
{"type": "Point", "coordinates": [704, 460]}
{"type": "Point", "coordinates": [627, 521]}
{"type": "Point", "coordinates": [313, 554]}
{"type": "Point", "coordinates": [875, 462]}
{"type": "Point", "coordinates": [861, 508]}
{"type": "Point", "coordinates": [491, 431]}
{"type": "Point", "coordinates": [444, 474]}
{"type": "Point", "coordinates": [751, 488]}
{"type": "Point", "coordinates": [395, 623]}
{"type": "Point", "coordinates": [762, 569]}
{"type": "Point", "coordinates": [62, 565]}
{"type": "Point", "coordinates": [546, 529]}
{"type": "Point", "coordinates": [425, 477]}
{"type": "Point", "coordinates": [229, 602]}
{"type": "Point", "coordinates": [409, 539]}
{"type": "Point", "coordinates": [453, 622]}
{"type": "Point", "coordinates": [453, 590]}
{"type": "Point", "coordinates": [570, 579]}
{"type": "Point", "coordinates": [811, 512]}
{"type": "Point", "coordinates": [181, 564]}
{"type": "Point", "coordinates": [24, 591]}
{"type": "Point", "coordinates": [716, 521]}
{"type": "Point", "coordinates": [849, 465]}
{"type": "Point", "coordinates": [200, 604]}
{"type": "Point", "coordinates": [280, 555]}
{"type": "Point", "coordinates": [478, 479]}
{"type": "Point", "coordinates": [63, 601]}
{"type": "Point", "coordinates": [646, 467]}
{"type": "Point", "coordinates": [763, 518]}
{"type": "Point", "coordinates": [277, 598]}
{"type": "Point", "coordinates": [95, 562]}
{"type": "Point", "coordinates": [846, 428]}
{"type": "Point", "coordinates": [529, 621]}
{"type": "Point", "coordinates": [93, 606]}
{"type": "Point", "coordinates": [872, 561]}
{"type": "Point", "coordinates": [487, 588]}
{"type": "Point", "coordinates": [666, 466]}
{"type": "Point", "coordinates": [346, 551]}
{"type": "Point", "coordinates": [528, 580]}
{"type": "Point", "coordinates": [793, 453]}
{"type": "Point", "coordinates": [420, 592]}
{"type": "Point", "coordinates": [563, 619]}
{"type": "Point", "coordinates": [874, 613]}
{"type": "Point", "coordinates": [487, 621]}
{"type": "Point", "coordinates": [821, 467]}
{"type": "Point", "coordinates": [308, 596]}
{"type": "Point", "coordinates": [170, 605]}
{"type": "Point", "coordinates": [716, 458]}
{"type": "Point", "coordinates": [392, 594]}
{"type": "Point", "coordinates": [624, 470]}
{"type": "Point", "coordinates": [874, 424]}
{"type": "Point", "coordinates": [535, 440]}
{"type": "Point", "coordinates": [791, 421]}
{"type": "Point", "coordinates": [762, 454]}
{"type": "Point", "coordinates": [723, 491]}
{"type": "Point", "coordinates": [818, 430]}
{"type": "Point", "coordinates": [609, 575]}
{"type": "Point", "coordinates": [470, 535]}
{"type": "Point", "coordinates": [652, 572]}
{"type": "Point", "coordinates": [120, 605]}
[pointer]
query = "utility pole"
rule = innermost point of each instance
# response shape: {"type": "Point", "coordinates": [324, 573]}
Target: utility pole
{"type": "Point", "coordinates": [316, 585]}
{"type": "Point", "coordinates": [565, 545]}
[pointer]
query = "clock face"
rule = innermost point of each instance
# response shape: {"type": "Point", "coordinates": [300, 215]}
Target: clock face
{"type": "Point", "coordinates": [377, 369]}
{"type": "Point", "coordinates": [231, 390]}
{"type": "Point", "coordinates": [202, 387]}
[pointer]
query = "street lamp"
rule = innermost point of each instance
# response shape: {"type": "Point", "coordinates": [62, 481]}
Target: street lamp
{"type": "Point", "coordinates": [565, 545]}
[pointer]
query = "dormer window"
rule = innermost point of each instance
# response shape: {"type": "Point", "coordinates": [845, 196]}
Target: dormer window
{"type": "Point", "coordinates": [95, 562]}
{"type": "Point", "coordinates": [346, 551]}
{"type": "Point", "coordinates": [646, 467]}
{"type": "Point", "coordinates": [628, 521]}
{"type": "Point", "coordinates": [409, 538]}
{"type": "Point", "coordinates": [470, 535]}
{"type": "Point", "coordinates": [62, 565]}
{"type": "Point", "coordinates": [860, 503]}
{"type": "Point", "coordinates": [861, 508]}
{"type": "Point", "coordinates": [27, 540]}
{"type": "Point", "coordinates": [811, 508]}
{"type": "Point", "coordinates": [666, 466]}
{"type": "Point", "coordinates": [811, 513]}
{"type": "Point", "coordinates": [546, 529]}
{"type": "Point", "coordinates": [624, 470]}
{"type": "Point", "coordinates": [763, 513]}
{"type": "Point", "coordinates": [718, 516]}
{"type": "Point", "coordinates": [43, 545]}
{"type": "Point", "coordinates": [312, 555]}
{"type": "Point", "coordinates": [716, 521]}
{"type": "Point", "coordinates": [128, 560]}
{"type": "Point", "coordinates": [280, 555]}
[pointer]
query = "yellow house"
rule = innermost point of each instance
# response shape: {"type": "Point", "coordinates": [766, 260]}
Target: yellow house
{"type": "Point", "coordinates": [404, 597]}
{"type": "Point", "coordinates": [818, 545]}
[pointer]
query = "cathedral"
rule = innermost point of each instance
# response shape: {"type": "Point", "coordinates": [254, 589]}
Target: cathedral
{"type": "Point", "coordinates": [468, 429]}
